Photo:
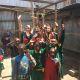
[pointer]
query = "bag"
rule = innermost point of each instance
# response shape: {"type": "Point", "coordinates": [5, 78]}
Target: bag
{"type": "Point", "coordinates": [1, 58]}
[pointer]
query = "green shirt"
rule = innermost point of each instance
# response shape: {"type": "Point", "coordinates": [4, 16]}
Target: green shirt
{"type": "Point", "coordinates": [37, 56]}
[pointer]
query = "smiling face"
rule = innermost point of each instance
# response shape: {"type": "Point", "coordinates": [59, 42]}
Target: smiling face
{"type": "Point", "coordinates": [37, 30]}
{"type": "Point", "coordinates": [28, 28]}
{"type": "Point", "coordinates": [17, 40]}
{"type": "Point", "coordinates": [52, 51]}
{"type": "Point", "coordinates": [21, 48]}
{"type": "Point", "coordinates": [48, 28]}
{"type": "Point", "coordinates": [37, 47]}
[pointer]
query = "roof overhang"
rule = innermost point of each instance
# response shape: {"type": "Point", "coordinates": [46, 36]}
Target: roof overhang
{"type": "Point", "coordinates": [73, 6]}
{"type": "Point", "coordinates": [14, 8]}
{"type": "Point", "coordinates": [39, 1]}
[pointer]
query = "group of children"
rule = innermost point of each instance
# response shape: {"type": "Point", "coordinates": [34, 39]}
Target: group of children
{"type": "Point", "coordinates": [37, 53]}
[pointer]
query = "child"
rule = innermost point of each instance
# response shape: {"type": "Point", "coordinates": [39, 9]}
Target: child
{"type": "Point", "coordinates": [22, 64]}
{"type": "Point", "coordinates": [51, 66]}
{"type": "Point", "coordinates": [14, 52]}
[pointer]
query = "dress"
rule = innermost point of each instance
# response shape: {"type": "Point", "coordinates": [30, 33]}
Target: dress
{"type": "Point", "coordinates": [59, 53]}
{"type": "Point", "coordinates": [51, 69]}
{"type": "Point", "coordinates": [37, 73]}
{"type": "Point", "coordinates": [24, 38]}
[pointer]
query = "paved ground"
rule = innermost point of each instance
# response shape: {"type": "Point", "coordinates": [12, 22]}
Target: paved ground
{"type": "Point", "coordinates": [70, 63]}
{"type": "Point", "coordinates": [6, 73]}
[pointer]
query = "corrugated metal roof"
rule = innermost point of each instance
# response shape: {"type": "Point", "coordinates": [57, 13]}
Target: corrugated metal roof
{"type": "Point", "coordinates": [17, 3]}
{"type": "Point", "coordinates": [44, 4]}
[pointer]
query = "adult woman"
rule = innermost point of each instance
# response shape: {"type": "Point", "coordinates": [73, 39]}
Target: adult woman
{"type": "Point", "coordinates": [24, 35]}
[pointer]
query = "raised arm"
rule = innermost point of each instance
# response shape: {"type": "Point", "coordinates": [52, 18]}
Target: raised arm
{"type": "Point", "coordinates": [20, 24]}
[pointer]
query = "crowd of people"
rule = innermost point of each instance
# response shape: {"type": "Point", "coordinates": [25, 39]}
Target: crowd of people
{"type": "Point", "coordinates": [37, 54]}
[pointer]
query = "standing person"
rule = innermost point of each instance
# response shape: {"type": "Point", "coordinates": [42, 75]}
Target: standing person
{"type": "Point", "coordinates": [14, 52]}
{"type": "Point", "coordinates": [62, 35]}
{"type": "Point", "coordinates": [27, 35]}
{"type": "Point", "coordinates": [5, 40]}
{"type": "Point", "coordinates": [22, 64]}
{"type": "Point", "coordinates": [24, 35]}
{"type": "Point", "coordinates": [51, 66]}
{"type": "Point", "coordinates": [60, 39]}
{"type": "Point", "coordinates": [60, 49]}
{"type": "Point", "coordinates": [37, 73]}
{"type": "Point", "coordinates": [48, 31]}
{"type": "Point", "coordinates": [14, 47]}
{"type": "Point", "coordinates": [54, 34]}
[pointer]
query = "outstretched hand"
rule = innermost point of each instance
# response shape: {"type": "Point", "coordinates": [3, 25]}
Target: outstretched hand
{"type": "Point", "coordinates": [56, 24]}
{"type": "Point", "coordinates": [19, 17]}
